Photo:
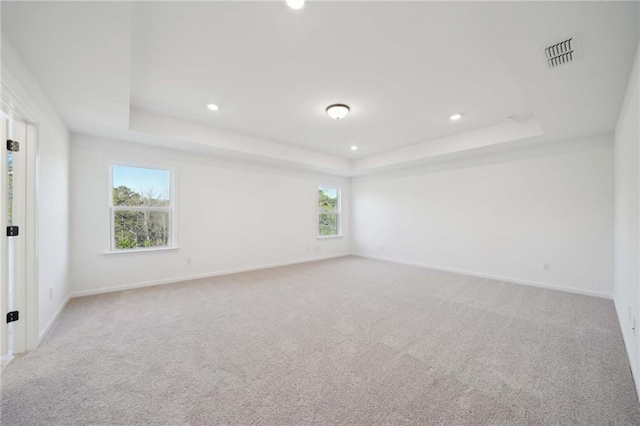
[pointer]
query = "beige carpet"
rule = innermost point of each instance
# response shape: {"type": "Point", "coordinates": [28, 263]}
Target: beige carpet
{"type": "Point", "coordinates": [345, 341]}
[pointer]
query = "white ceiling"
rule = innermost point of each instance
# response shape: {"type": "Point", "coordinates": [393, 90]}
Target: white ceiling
{"type": "Point", "coordinates": [116, 68]}
{"type": "Point", "coordinates": [403, 68]}
{"type": "Point", "coordinates": [79, 53]}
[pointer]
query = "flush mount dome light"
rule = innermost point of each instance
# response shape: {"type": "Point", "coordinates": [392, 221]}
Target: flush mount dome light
{"type": "Point", "coordinates": [338, 111]}
{"type": "Point", "coordinates": [213, 107]}
{"type": "Point", "coordinates": [354, 147]}
{"type": "Point", "coordinates": [295, 4]}
{"type": "Point", "coordinates": [455, 117]}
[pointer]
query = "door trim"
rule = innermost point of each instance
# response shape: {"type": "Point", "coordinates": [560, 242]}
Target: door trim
{"type": "Point", "coordinates": [13, 106]}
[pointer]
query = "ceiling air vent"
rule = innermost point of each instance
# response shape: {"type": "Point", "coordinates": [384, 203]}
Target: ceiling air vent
{"type": "Point", "coordinates": [563, 52]}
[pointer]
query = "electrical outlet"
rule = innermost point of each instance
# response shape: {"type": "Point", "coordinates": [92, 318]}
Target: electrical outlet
{"type": "Point", "coordinates": [188, 261]}
{"type": "Point", "coordinates": [50, 294]}
{"type": "Point", "coordinates": [381, 248]}
{"type": "Point", "coordinates": [546, 267]}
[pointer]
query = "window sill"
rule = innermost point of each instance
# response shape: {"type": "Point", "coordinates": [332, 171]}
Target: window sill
{"type": "Point", "coordinates": [141, 250]}
{"type": "Point", "coordinates": [325, 237]}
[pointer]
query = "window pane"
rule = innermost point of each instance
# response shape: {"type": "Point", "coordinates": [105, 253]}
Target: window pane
{"type": "Point", "coordinates": [137, 186]}
{"type": "Point", "coordinates": [140, 229]}
{"type": "Point", "coordinates": [327, 224]}
{"type": "Point", "coordinates": [328, 199]}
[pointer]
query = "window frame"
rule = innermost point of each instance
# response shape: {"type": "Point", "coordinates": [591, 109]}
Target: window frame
{"type": "Point", "coordinates": [338, 213]}
{"type": "Point", "coordinates": [171, 209]}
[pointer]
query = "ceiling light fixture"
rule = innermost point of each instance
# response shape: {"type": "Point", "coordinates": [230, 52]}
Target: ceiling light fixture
{"type": "Point", "coordinates": [354, 147]}
{"type": "Point", "coordinates": [338, 111]}
{"type": "Point", "coordinates": [455, 117]}
{"type": "Point", "coordinates": [295, 4]}
{"type": "Point", "coordinates": [213, 107]}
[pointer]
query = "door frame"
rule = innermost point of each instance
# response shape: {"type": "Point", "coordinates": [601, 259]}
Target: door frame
{"type": "Point", "coordinates": [16, 109]}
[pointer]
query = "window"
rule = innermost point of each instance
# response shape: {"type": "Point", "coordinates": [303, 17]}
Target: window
{"type": "Point", "coordinates": [141, 208]}
{"type": "Point", "coordinates": [328, 212]}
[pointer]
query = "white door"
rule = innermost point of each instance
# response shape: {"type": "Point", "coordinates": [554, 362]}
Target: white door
{"type": "Point", "coordinates": [12, 241]}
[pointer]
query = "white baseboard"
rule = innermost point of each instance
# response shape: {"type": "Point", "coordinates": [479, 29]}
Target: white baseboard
{"type": "Point", "coordinates": [628, 346]}
{"type": "Point", "coordinates": [4, 361]}
{"type": "Point", "coordinates": [494, 277]}
{"type": "Point", "coordinates": [93, 292]}
{"type": "Point", "coordinates": [47, 328]}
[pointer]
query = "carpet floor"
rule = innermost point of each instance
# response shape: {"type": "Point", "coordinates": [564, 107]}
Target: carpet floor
{"type": "Point", "coordinates": [343, 341]}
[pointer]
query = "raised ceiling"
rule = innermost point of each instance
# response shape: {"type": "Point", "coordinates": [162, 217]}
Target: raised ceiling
{"type": "Point", "coordinates": [402, 68]}
{"type": "Point", "coordinates": [128, 69]}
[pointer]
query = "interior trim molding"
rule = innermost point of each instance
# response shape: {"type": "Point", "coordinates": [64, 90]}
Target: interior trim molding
{"type": "Point", "coordinates": [52, 321]}
{"type": "Point", "coordinates": [4, 362]}
{"type": "Point", "coordinates": [13, 104]}
{"type": "Point", "coordinates": [17, 109]}
{"type": "Point", "coordinates": [628, 348]}
{"type": "Point", "coordinates": [92, 292]}
{"type": "Point", "coordinates": [494, 277]}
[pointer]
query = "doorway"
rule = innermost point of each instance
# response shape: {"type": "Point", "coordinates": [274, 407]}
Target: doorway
{"type": "Point", "coordinates": [16, 137]}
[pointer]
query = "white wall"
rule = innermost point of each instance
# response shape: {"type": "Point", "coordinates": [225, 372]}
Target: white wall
{"type": "Point", "coordinates": [501, 216]}
{"type": "Point", "coordinates": [53, 187]}
{"type": "Point", "coordinates": [627, 217]}
{"type": "Point", "coordinates": [231, 216]}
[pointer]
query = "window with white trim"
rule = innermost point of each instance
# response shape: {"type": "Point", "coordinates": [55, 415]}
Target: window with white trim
{"type": "Point", "coordinates": [328, 212]}
{"type": "Point", "coordinates": [141, 208]}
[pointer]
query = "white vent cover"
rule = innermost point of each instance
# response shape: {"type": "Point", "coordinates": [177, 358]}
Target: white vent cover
{"type": "Point", "coordinates": [563, 52]}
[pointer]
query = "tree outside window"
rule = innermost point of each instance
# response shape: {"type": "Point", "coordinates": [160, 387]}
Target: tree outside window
{"type": "Point", "coordinates": [141, 208]}
{"type": "Point", "coordinates": [328, 212]}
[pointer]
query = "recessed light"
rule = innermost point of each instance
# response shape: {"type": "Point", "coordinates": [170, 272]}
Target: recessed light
{"type": "Point", "coordinates": [338, 111]}
{"type": "Point", "coordinates": [455, 117]}
{"type": "Point", "coordinates": [354, 147]}
{"type": "Point", "coordinates": [213, 107]}
{"type": "Point", "coordinates": [295, 4]}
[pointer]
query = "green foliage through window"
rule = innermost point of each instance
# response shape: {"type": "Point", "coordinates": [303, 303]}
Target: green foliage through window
{"type": "Point", "coordinates": [141, 217]}
{"type": "Point", "coordinates": [328, 212]}
{"type": "Point", "coordinates": [140, 229]}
